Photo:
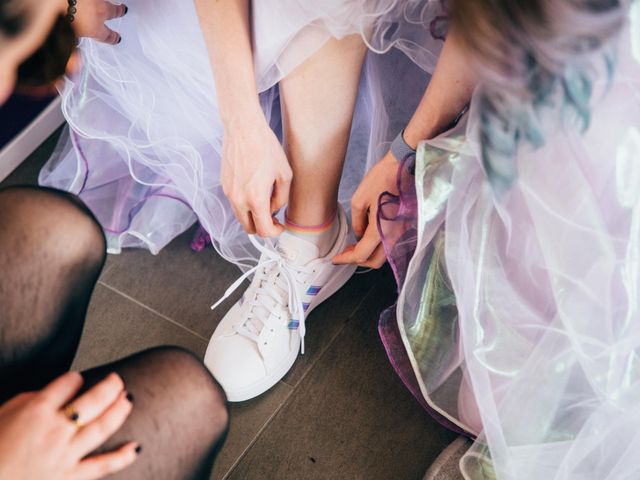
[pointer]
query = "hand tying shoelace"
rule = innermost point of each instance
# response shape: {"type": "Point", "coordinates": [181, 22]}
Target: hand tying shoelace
{"type": "Point", "coordinates": [258, 340]}
{"type": "Point", "coordinates": [282, 292]}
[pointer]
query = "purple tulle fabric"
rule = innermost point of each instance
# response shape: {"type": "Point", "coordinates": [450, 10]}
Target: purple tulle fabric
{"type": "Point", "coordinates": [201, 240]}
{"type": "Point", "coordinates": [397, 225]}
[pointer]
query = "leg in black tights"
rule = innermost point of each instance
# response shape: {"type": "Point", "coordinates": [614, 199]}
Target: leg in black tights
{"type": "Point", "coordinates": [179, 414]}
{"type": "Point", "coordinates": [51, 254]}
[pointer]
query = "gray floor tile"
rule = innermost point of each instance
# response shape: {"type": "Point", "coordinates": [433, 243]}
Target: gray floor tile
{"type": "Point", "coordinates": [117, 327]}
{"type": "Point", "coordinates": [178, 282]}
{"type": "Point", "coordinates": [247, 420]}
{"type": "Point", "coordinates": [324, 323]}
{"type": "Point", "coordinates": [350, 417]}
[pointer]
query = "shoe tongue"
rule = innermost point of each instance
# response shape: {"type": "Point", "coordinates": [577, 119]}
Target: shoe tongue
{"type": "Point", "coordinates": [296, 250]}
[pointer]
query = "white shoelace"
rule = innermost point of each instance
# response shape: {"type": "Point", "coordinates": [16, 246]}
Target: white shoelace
{"type": "Point", "coordinates": [273, 264]}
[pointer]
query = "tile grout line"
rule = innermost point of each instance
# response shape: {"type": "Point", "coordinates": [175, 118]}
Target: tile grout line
{"type": "Point", "coordinates": [294, 388]}
{"type": "Point", "coordinates": [335, 336]}
{"type": "Point", "coordinates": [257, 435]}
{"type": "Point", "coordinates": [164, 317]}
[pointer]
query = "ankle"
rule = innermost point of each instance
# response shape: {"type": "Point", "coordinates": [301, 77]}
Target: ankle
{"type": "Point", "coordinates": [323, 235]}
{"type": "Point", "coordinates": [321, 213]}
{"type": "Point", "coordinates": [308, 227]}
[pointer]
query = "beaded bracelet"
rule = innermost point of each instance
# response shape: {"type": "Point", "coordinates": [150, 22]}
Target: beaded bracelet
{"type": "Point", "coordinates": [71, 11]}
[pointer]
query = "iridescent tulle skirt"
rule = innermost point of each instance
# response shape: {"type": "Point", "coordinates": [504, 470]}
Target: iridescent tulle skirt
{"type": "Point", "coordinates": [518, 318]}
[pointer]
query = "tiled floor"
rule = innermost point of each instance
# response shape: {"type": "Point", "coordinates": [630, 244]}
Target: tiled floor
{"type": "Point", "coordinates": [341, 413]}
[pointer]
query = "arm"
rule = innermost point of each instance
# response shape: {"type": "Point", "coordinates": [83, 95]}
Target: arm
{"type": "Point", "coordinates": [226, 22]}
{"type": "Point", "coordinates": [448, 92]}
{"type": "Point", "coordinates": [255, 171]}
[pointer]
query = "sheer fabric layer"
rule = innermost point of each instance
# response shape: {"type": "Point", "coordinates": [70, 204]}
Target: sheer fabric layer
{"type": "Point", "coordinates": [540, 346]}
{"type": "Point", "coordinates": [145, 137]}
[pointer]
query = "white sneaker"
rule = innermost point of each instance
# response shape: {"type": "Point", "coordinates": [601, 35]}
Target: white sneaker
{"type": "Point", "coordinates": [257, 341]}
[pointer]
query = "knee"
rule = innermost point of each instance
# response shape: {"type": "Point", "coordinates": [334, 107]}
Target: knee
{"type": "Point", "coordinates": [201, 393]}
{"type": "Point", "coordinates": [53, 224]}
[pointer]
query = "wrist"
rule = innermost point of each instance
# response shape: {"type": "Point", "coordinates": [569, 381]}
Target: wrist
{"type": "Point", "coordinates": [412, 137]}
{"type": "Point", "coordinates": [241, 116]}
{"type": "Point", "coordinates": [400, 148]}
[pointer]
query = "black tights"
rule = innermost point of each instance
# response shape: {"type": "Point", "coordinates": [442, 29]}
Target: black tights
{"type": "Point", "coordinates": [51, 253]}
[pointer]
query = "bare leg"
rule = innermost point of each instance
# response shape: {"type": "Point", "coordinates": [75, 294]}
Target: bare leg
{"type": "Point", "coordinates": [318, 100]}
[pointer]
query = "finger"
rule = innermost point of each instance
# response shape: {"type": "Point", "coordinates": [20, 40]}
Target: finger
{"type": "Point", "coordinates": [100, 466]}
{"type": "Point", "coordinates": [115, 11]}
{"type": "Point", "coordinates": [59, 392]}
{"type": "Point", "coordinates": [244, 218]}
{"type": "Point", "coordinates": [94, 434]}
{"type": "Point", "coordinates": [343, 257]}
{"type": "Point", "coordinates": [378, 259]}
{"type": "Point", "coordinates": [266, 225]}
{"type": "Point", "coordinates": [280, 194]}
{"type": "Point", "coordinates": [359, 217]}
{"type": "Point", "coordinates": [93, 403]}
{"type": "Point", "coordinates": [364, 248]}
{"type": "Point", "coordinates": [106, 35]}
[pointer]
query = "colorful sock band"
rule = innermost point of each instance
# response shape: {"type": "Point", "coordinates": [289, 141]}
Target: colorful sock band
{"type": "Point", "coordinates": [310, 229]}
{"type": "Point", "coordinates": [323, 235]}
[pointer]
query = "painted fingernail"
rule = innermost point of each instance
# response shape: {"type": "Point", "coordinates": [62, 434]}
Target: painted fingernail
{"type": "Point", "coordinates": [130, 397]}
{"type": "Point", "coordinates": [138, 449]}
{"type": "Point", "coordinates": [126, 10]}
{"type": "Point", "coordinates": [119, 40]}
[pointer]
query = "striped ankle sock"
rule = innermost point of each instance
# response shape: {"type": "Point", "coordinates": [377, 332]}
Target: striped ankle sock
{"type": "Point", "coordinates": [323, 236]}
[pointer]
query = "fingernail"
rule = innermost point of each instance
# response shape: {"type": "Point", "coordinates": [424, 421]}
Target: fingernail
{"type": "Point", "coordinates": [130, 397]}
{"type": "Point", "coordinates": [119, 40]}
{"type": "Point", "coordinates": [138, 449]}
{"type": "Point", "coordinates": [126, 10]}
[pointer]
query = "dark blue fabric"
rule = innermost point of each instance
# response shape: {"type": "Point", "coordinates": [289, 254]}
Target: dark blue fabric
{"type": "Point", "coordinates": [17, 113]}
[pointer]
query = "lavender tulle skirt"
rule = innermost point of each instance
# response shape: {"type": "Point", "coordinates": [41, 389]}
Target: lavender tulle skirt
{"type": "Point", "coordinates": [144, 139]}
{"type": "Point", "coordinates": [518, 317]}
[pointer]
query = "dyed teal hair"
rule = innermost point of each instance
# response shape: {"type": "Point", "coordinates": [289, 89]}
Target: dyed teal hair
{"type": "Point", "coordinates": [553, 68]}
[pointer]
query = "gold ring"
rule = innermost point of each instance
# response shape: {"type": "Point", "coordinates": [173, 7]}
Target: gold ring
{"type": "Point", "coordinates": [72, 415]}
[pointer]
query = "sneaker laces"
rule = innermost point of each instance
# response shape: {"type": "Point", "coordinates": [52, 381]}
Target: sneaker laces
{"type": "Point", "coordinates": [271, 261]}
